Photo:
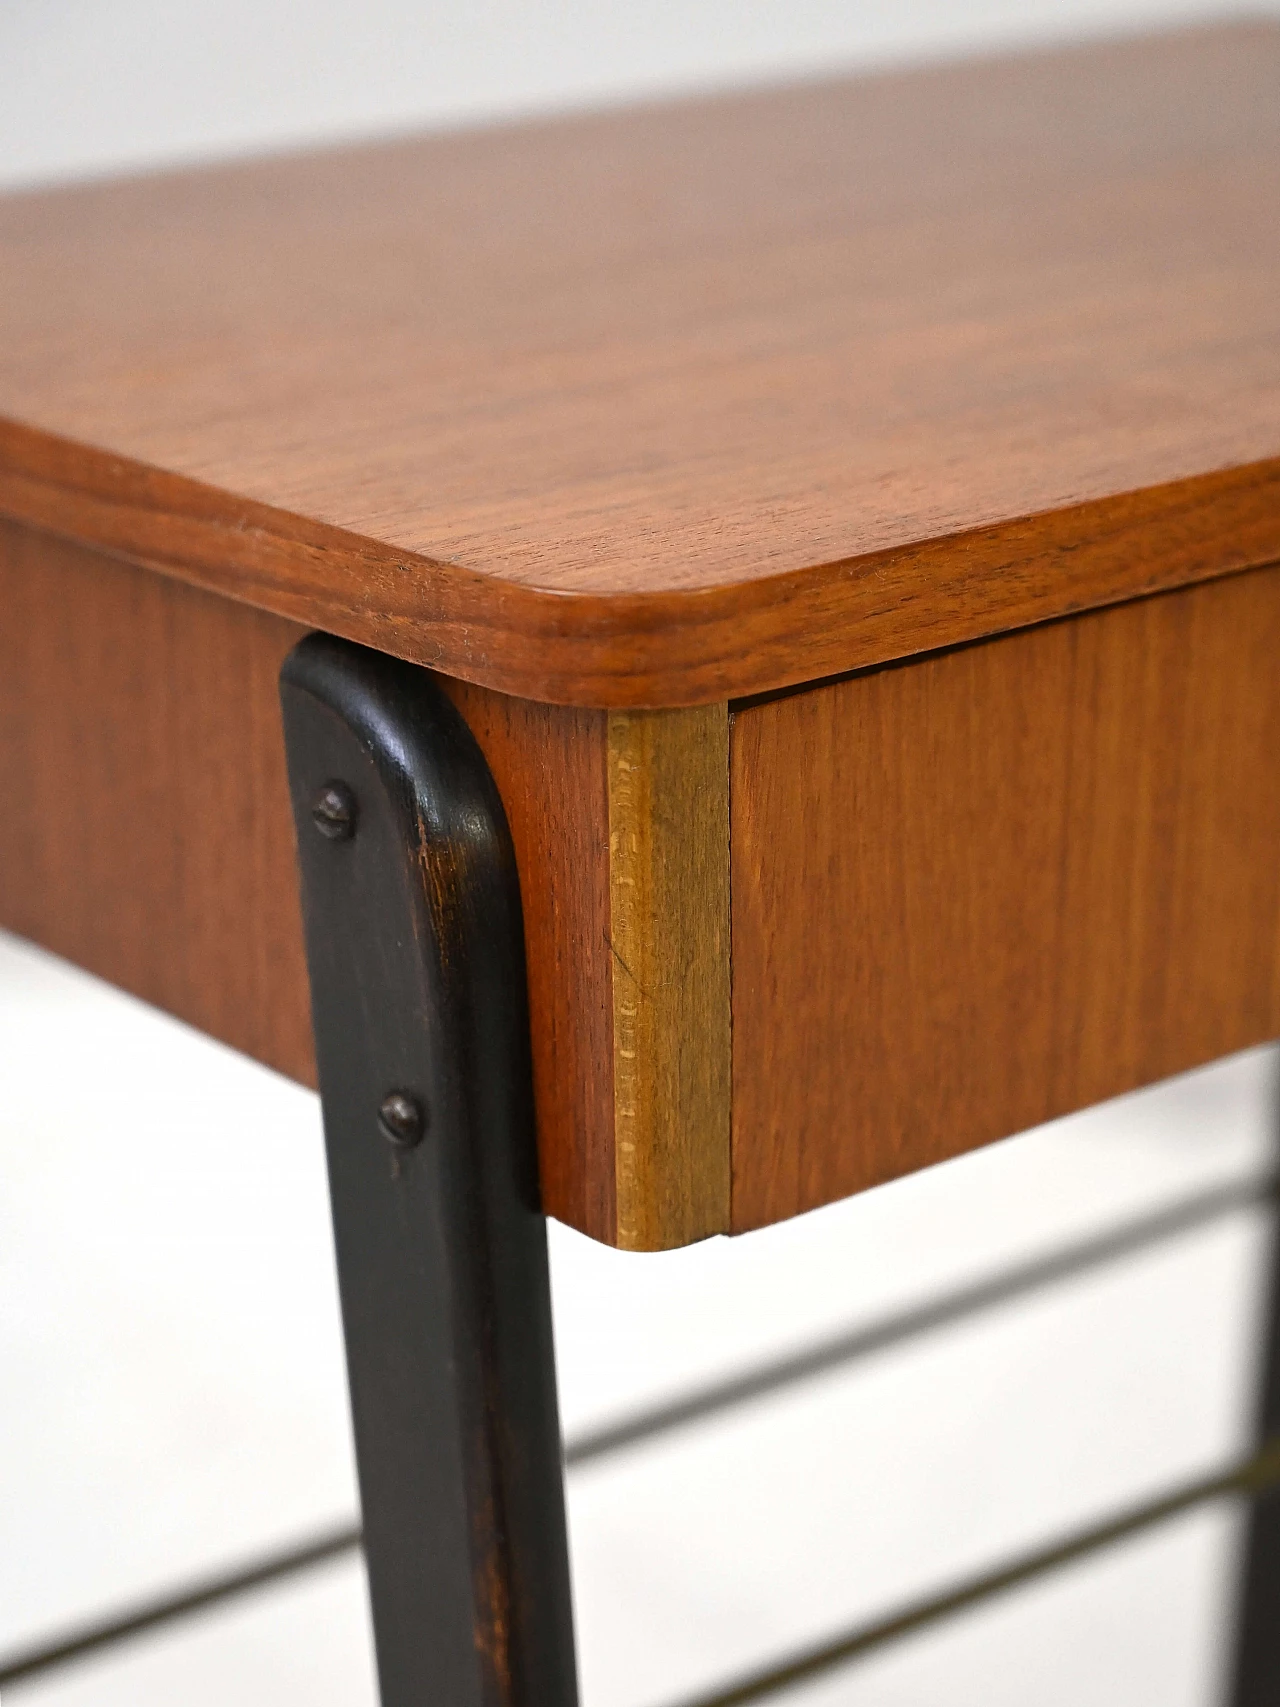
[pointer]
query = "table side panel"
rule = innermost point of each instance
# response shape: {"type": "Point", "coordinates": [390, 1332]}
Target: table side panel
{"type": "Point", "coordinates": [980, 890]}
{"type": "Point", "coordinates": [147, 833]}
{"type": "Point", "coordinates": [621, 829]}
{"type": "Point", "coordinates": [549, 763]}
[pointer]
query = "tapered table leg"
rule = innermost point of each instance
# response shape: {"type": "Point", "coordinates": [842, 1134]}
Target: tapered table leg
{"type": "Point", "coordinates": [416, 959]}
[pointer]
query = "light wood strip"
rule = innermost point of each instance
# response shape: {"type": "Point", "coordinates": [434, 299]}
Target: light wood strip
{"type": "Point", "coordinates": [669, 899]}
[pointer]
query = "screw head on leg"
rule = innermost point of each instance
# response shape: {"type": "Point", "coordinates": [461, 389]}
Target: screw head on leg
{"type": "Point", "coordinates": [333, 812]}
{"type": "Point", "coordinates": [402, 1119]}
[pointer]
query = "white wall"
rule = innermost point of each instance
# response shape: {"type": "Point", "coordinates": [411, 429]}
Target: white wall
{"type": "Point", "coordinates": [87, 87]}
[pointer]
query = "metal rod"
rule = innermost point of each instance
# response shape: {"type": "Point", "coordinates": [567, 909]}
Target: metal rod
{"type": "Point", "coordinates": [1251, 1477]}
{"type": "Point", "coordinates": [918, 1319]}
{"type": "Point", "coordinates": [818, 1360]}
{"type": "Point", "coordinates": [198, 1596]}
{"type": "Point", "coordinates": [1255, 1647]}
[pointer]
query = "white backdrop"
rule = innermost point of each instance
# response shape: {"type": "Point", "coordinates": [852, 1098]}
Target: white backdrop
{"type": "Point", "coordinates": [87, 86]}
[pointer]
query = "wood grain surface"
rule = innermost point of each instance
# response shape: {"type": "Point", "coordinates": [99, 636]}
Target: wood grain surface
{"type": "Point", "coordinates": [147, 837]}
{"type": "Point", "coordinates": [549, 763]}
{"type": "Point", "coordinates": [986, 888]}
{"type": "Point", "coordinates": [669, 942]}
{"type": "Point", "coordinates": [672, 406]}
{"type": "Point", "coordinates": [146, 834]}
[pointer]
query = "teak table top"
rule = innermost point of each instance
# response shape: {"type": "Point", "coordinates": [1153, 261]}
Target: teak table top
{"type": "Point", "coordinates": [674, 406]}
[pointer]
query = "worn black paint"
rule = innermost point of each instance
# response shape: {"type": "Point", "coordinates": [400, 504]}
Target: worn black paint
{"type": "Point", "coordinates": [416, 957]}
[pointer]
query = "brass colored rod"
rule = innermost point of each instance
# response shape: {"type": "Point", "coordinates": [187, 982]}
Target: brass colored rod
{"type": "Point", "coordinates": [1252, 1477]}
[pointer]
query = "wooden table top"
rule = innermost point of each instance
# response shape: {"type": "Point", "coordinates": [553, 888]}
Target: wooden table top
{"type": "Point", "coordinates": [677, 405]}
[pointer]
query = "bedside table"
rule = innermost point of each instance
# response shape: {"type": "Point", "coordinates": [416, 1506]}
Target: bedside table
{"type": "Point", "coordinates": [778, 606]}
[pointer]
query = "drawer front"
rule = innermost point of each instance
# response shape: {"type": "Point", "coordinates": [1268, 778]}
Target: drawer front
{"type": "Point", "coordinates": [981, 889]}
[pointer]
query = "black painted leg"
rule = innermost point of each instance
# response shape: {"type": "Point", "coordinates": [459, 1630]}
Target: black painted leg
{"type": "Point", "coordinates": [1256, 1681]}
{"type": "Point", "coordinates": [416, 958]}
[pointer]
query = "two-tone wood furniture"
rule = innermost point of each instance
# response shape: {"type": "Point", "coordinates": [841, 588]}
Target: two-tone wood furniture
{"type": "Point", "coordinates": [846, 518]}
